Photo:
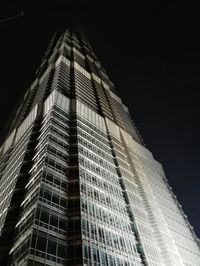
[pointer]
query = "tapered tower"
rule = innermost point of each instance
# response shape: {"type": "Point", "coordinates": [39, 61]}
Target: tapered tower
{"type": "Point", "coordinates": [77, 184]}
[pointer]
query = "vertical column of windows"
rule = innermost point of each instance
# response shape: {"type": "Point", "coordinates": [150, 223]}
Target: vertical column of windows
{"type": "Point", "coordinates": [43, 216]}
{"type": "Point", "coordinates": [173, 216]}
{"type": "Point", "coordinates": [10, 169]}
{"type": "Point", "coordinates": [26, 106]}
{"type": "Point", "coordinates": [13, 182]}
{"type": "Point", "coordinates": [105, 108]}
{"type": "Point", "coordinates": [164, 240]}
{"type": "Point", "coordinates": [91, 65]}
{"type": "Point", "coordinates": [103, 209]}
{"type": "Point", "coordinates": [74, 217]}
{"type": "Point", "coordinates": [78, 56]}
{"type": "Point", "coordinates": [147, 236]}
{"type": "Point", "coordinates": [50, 216]}
{"type": "Point", "coordinates": [61, 80]}
{"type": "Point", "coordinates": [66, 51]}
{"type": "Point", "coordinates": [84, 90]}
{"type": "Point", "coordinates": [131, 195]}
{"type": "Point", "coordinates": [116, 111]}
{"type": "Point", "coordinates": [126, 121]}
{"type": "Point", "coordinates": [44, 87]}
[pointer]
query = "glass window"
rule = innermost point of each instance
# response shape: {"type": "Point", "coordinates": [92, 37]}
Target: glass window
{"type": "Point", "coordinates": [41, 244]}
{"type": "Point", "coordinates": [51, 247]}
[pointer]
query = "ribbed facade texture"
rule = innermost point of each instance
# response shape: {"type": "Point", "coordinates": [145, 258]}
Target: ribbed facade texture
{"type": "Point", "coordinates": [77, 184]}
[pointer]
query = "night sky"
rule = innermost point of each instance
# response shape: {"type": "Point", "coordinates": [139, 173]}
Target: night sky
{"type": "Point", "coordinates": [151, 53]}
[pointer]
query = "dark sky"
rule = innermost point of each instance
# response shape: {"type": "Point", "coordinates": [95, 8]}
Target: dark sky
{"type": "Point", "coordinates": [152, 55]}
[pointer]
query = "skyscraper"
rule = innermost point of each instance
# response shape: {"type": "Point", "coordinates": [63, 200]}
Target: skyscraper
{"type": "Point", "coordinates": [77, 184]}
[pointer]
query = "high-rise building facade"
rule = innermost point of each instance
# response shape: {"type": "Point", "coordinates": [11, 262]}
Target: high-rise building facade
{"type": "Point", "coordinates": [77, 184]}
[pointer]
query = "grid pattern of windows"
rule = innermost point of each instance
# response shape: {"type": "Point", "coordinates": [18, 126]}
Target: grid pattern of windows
{"type": "Point", "coordinates": [43, 219]}
{"type": "Point", "coordinates": [170, 227]}
{"type": "Point", "coordinates": [77, 185]}
{"type": "Point", "coordinates": [103, 209]}
{"type": "Point", "coordinates": [134, 200]}
{"type": "Point", "coordinates": [177, 224]}
{"type": "Point", "coordinates": [9, 173]}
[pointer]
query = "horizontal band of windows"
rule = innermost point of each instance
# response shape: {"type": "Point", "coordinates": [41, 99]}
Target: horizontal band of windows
{"type": "Point", "coordinates": [91, 102]}
{"type": "Point", "coordinates": [112, 256]}
{"type": "Point", "coordinates": [115, 204]}
{"type": "Point", "coordinates": [93, 166]}
{"type": "Point", "coordinates": [51, 159]}
{"type": "Point", "coordinates": [91, 135]}
{"type": "Point", "coordinates": [48, 245]}
{"type": "Point", "coordinates": [58, 168]}
{"type": "Point", "coordinates": [52, 130]}
{"type": "Point", "coordinates": [51, 230]}
{"type": "Point", "coordinates": [90, 126]}
{"type": "Point", "coordinates": [53, 120]}
{"type": "Point", "coordinates": [88, 98]}
{"type": "Point", "coordinates": [101, 185]}
{"type": "Point", "coordinates": [122, 225]}
{"type": "Point", "coordinates": [109, 165]}
{"type": "Point", "coordinates": [89, 143]}
{"type": "Point", "coordinates": [124, 244]}
{"type": "Point", "coordinates": [51, 148]}
{"type": "Point", "coordinates": [52, 137]}
{"type": "Point", "coordinates": [84, 91]}
{"type": "Point", "coordinates": [94, 151]}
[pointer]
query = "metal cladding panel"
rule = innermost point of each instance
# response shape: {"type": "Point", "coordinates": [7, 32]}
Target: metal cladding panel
{"type": "Point", "coordinates": [141, 150]}
{"type": "Point", "coordinates": [62, 59]}
{"type": "Point", "coordinates": [26, 123]}
{"type": "Point", "coordinates": [96, 78]}
{"type": "Point", "coordinates": [114, 96]}
{"type": "Point", "coordinates": [62, 101]}
{"type": "Point", "coordinates": [9, 141]}
{"type": "Point", "coordinates": [113, 129]}
{"type": "Point", "coordinates": [46, 73]}
{"type": "Point", "coordinates": [87, 113]}
{"type": "Point", "coordinates": [58, 99]}
{"type": "Point", "coordinates": [82, 70]}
